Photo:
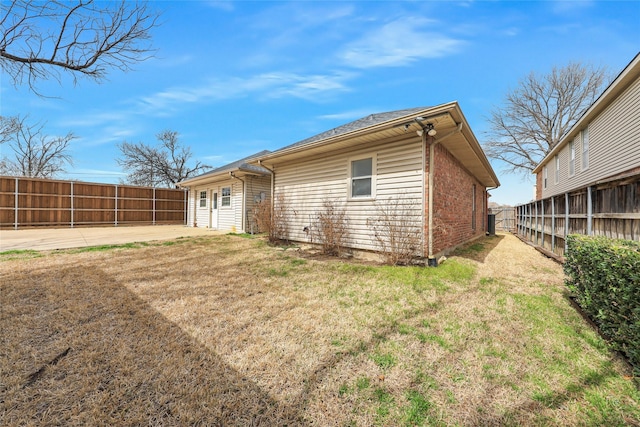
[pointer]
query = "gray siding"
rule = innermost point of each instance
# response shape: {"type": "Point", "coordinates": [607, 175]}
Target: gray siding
{"type": "Point", "coordinates": [614, 146]}
{"type": "Point", "coordinates": [306, 184]}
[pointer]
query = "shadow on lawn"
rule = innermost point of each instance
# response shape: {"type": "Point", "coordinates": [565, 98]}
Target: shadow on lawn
{"type": "Point", "coordinates": [555, 399]}
{"type": "Point", "coordinates": [480, 248]}
{"type": "Point", "coordinates": [82, 349]}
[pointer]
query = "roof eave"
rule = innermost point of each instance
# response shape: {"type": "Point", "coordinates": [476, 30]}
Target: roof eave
{"type": "Point", "coordinates": [427, 113]}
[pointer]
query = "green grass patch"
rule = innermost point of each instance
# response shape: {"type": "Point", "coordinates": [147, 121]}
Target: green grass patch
{"type": "Point", "coordinates": [384, 360]}
{"type": "Point", "coordinates": [102, 248]}
{"type": "Point", "coordinates": [19, 254]}
{"type": "Point", "coordinates": [418, 409]}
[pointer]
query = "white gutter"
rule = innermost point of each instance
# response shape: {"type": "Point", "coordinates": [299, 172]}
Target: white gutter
{"type": "Point", "coordinates": [431, 259]}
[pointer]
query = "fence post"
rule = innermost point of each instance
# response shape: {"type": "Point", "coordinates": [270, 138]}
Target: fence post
{"type": "Point", "coordinates": [589, 213]}
{"type": "Point", "coordinates": [553, 223]}
{"type": "Point", "coordinates": [153, 219]}
{"type": "Point", "coordinates": [15, 204]}
{"type": "Point", "coordinates": [536, 227]}
{"type": "Point", "coordinates": [116, 207]}
{"type": "Point", "coordinates": [543, 223]}
{"type": "Point", "coordinates": [186, 207]}
{"type": "Point", "coordinates": [566, 219]}
{"type": "Point", "coordinates": [71, 204]}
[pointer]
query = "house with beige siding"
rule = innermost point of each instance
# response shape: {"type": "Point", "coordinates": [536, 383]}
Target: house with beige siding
{"type": "Point", "coordinates": [604, 145]}
{"type": "Point", "coordinates": [425, 159]}
{"type": "Point", "coordinates": [224, 198]}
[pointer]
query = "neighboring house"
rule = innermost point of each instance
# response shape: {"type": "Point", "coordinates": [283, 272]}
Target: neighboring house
{"type": "Point", "coordinates": [224, 198]}
{"type": "Point", "coordinates": [603, 145]}
{"type": "Point", "coordinates": [427, 157]}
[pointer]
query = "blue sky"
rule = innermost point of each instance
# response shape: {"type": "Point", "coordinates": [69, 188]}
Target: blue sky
{"type": "Point", "coordinates": [234, 78]}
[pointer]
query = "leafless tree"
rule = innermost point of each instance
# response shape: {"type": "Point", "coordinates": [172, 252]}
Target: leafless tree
{"type": "Point", "coordinates": [161, 166]}
{"type": "Point", "coordinates": [34, 154]}
{"type": "Point", "coordinates": [395, 229]}
{"type": "Point", "coordinates": [42, 39]}
{"type": "Point", "coordinates": [539, 112]}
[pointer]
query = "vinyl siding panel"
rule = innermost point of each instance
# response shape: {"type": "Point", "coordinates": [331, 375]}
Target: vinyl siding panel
{"type": "Point", "coordinates": [306, 184]}
{"type": "Point", "coordinates": [230, 217]}
{"type": "Point", "coordinates": [256, 187]}
{"type": "Point", "coordinates": [191, 209]}
{"type": "Point", "coordinates": [614, 145]}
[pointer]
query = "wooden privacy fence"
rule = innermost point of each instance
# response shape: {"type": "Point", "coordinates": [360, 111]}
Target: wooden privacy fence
{"type": "Point", "coordinates": [609, 209]}
{"type": "Point", "coordinates": [505, 218]}
{"type": "Point", "coordinates": [32, 202]}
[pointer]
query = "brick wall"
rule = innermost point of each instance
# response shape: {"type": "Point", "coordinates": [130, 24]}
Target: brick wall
{"type": "Point", "coordinates": [453, 203]}
{"type": "Point", "coordinates": [539, 186]}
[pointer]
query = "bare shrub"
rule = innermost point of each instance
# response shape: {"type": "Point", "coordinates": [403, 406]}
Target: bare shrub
{"type": "Point", "coordinates": [396, 231]}
{"type": "Point", "coordinates": [272, 219]}
{"type": "Point", "coordinates": [331, 229]}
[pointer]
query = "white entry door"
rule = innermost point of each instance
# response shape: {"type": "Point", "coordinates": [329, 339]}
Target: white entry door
{"type": "Point", "coordinates": [213, 214]}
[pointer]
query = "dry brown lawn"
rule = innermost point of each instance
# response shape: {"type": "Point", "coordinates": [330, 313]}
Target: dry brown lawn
{"type": "Point", "coordinates": [225, 330]}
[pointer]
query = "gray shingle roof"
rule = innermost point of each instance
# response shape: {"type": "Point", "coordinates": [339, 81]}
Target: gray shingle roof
{"type": "Point", "coordinates": [370, 120]}
{"type": "Point", "coordinates": [238, 165]}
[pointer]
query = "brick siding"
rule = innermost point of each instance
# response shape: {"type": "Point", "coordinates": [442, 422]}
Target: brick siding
{"type": "Point", "coordinates": [452, 203]}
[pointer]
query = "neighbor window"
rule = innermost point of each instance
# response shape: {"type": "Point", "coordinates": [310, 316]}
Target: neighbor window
{"type": "Point", "coordinates": [572, 158]}
{"type": "Point", "coordinates": [225, 199]}
{"type": "Point", "coordinates": [544, 177]}
{"type": "Point", "coordinates": [557, 174]}
{"type": "Point", "coordinates": [362, 177]}
{"type": "Point", "coordinates": [585, 148]}
{"type": "Point", "coordinates": [203, 199]}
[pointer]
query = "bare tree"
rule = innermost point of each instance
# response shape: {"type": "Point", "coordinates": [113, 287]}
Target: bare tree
{"type": "Point", "coordinates": [396, 230]}
{"type": "Point", "coordinates": [162, 166]}
{"type": "Point", "coordinates": [539, 112]}
{"type": "Point", "coordinates": [34, 154]}
{"type": "Point", "coordinates": [41, 39]}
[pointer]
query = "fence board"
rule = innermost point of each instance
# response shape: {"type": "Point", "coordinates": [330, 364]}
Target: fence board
{"type": "Point", "coordinates": [613, 210]}
{"type": "Point", "coordinates": [33, 202]}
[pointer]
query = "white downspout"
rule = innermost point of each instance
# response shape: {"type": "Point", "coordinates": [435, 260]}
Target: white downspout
{"type": "Point", "coordinates": [432, 261]}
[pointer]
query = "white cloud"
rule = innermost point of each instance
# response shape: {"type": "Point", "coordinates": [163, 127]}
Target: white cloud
{"type": "Point", "coordinates": [399, 43]}
{"type": "Point", "coordinates": [267, 85]}
{"type": "Point", "coordinates": [224, 5]}
{"type": "Point", "coordinates": [346, 115]}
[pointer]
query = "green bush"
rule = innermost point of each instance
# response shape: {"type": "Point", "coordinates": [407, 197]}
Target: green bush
{"type": "Point", "coordinates": [604, 275]}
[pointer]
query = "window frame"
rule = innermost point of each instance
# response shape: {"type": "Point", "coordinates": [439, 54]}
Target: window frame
{"type": "Point", "coordinates": [572, 158]}
{"type": "Point", "coordinates": [557, 171]}
{"type": "Point", "coordinates": [372, 177]}
{"type": "Point", "coordinates": [223, 197]}
{"type": "Point", "coordinates": [203, 199]}
{"type": "Point", "coordinates": [545, 175]}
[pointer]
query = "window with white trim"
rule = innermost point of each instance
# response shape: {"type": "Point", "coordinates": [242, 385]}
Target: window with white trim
{"type": "Point", "coordinates": [557, 173]}
{"type": "Point", "coordinates": [545, 174]}
{"type": "Point", "coordinates": [572, 158]}
{"type": "Point", "coordinates": [203, 199]}
{"type": "Point", "coordinates": [585, 148]}
{"type": "Point", "coordinates": [225, 198]}
{"type": "Point", "coordinates": [361, 175]}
